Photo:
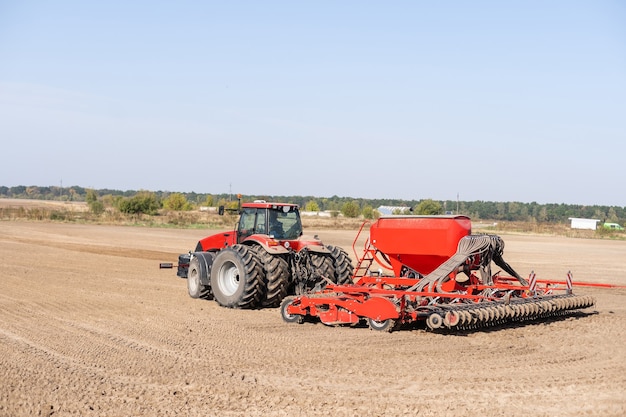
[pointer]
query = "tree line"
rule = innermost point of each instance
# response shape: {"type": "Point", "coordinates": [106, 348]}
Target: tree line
{"type": "Point", "coordinates": [150, 202]}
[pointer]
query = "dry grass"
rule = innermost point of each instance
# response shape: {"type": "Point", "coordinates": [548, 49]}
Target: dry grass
{"type": "Point", "coordinates": [37, 210]}
{"type": "Point", "coordinates": [551, 229]}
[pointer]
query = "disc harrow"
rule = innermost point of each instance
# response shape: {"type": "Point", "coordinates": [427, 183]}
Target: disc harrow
{"type": "Point", "coordinates": [498, 313]}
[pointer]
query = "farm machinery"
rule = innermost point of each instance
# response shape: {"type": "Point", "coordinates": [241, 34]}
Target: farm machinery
{"type": "Point", "coordinates": [433, 270]}
{"type": "Point", "coordinates": [265, 258]}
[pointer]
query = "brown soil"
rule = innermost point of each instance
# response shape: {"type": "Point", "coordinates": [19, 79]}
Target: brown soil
{"type": "Point", "coordinates": [90, 326]}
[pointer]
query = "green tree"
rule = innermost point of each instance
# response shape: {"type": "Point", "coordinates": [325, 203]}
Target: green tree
{"type": "Point", "coordinates": [543, 214]}
{"type": "Point", "coordinates": [513, 211]}
{"type": "Point", "coordinates": [332, 206]}
{"type": "Point", "coordinates": [177, 202]}
{"type": "Point", "coordinates": [612, 216]}
{"type": "Point", "coordinates": [368, 212]}
{"type": "Point", "coordinates": [143, 202]}
{"type": "Point", "coordinates": [400, 211]}
{"type": "Point", "coordinates": [111, 200]}
{"type": "Point", "coordinates": [95, 206]}
{"type": "Point", "coordinates": [311, 205]}
{"type": "Point", "coordinates": [33, 192]}
{"type": "Point", "coordinates": [91, 196]}
{"type": "Point", "coordinates": [350, 209]}
{"type": "Point", "coordinates": [428, 207]}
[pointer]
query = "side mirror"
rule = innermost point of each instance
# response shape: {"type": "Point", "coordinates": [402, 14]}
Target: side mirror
{"type": "Point", "coordinates": [220, 210]}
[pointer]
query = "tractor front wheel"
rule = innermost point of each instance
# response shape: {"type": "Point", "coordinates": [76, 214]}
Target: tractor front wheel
{"type": "Point", "coordinates": [195, 288]}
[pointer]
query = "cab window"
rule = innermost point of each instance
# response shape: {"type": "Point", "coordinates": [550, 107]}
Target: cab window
{"type": "Point", "coordinates": [246, 222]}
{"type": "Point", "coordinates": [260, 222]}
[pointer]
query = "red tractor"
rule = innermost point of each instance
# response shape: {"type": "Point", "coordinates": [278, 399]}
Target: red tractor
{"type": "Point", "coordinates": [262, 261]}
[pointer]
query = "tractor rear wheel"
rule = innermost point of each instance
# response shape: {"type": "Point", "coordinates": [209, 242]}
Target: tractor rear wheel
{"type": "Point", "coordinates": [323, 265]}
{"type": "Point", "coordinates": [343, 265]}
{"type": "Point", "coordinates": [195, 288]}
{"type": "Point", "coordinates": [236, 277]}
{"type": "Point", "coordinates": [276, 277]}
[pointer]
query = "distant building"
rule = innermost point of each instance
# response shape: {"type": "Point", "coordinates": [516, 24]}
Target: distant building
{"type": "Point", "coordinates": [389, 210]}
{"type": "Point", "coordinates": [590, 224]}
{"type": "Point", "coordinates": [326, 213]}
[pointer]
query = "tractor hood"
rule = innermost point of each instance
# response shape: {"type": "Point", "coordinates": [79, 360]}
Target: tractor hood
{"type": "Point", "coordinates": [217, 241]}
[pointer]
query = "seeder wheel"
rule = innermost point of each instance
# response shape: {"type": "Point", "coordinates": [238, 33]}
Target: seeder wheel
{"type": "Point", "coordinates": [381, 326]}
{"type": "Point", "coordinates": [434, 321]}
{"type": "Point", "coordinates": [289, 318]}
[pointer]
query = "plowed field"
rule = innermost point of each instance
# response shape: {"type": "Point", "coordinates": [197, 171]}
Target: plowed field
{"type": "Point", "coordinates": [90, 326]}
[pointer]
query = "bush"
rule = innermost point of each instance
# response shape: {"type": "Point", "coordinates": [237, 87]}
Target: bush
{"type": "Point", "coordinates": [350, 209]}
{"type": "Point", "coordinates": [177, 202]}
{"type": "Point", "coordinates": [95, 206]}
{"type": "Point", "coordinates": [312, 206]}
{"type": "Point", "coordinates": [143, 202]}
{"type": "Point", "coordinates": [59, 215]}
{"type": "Point", "coordinates": [428, 208]}
{"type": "Point", "coordinates": [369, 212]}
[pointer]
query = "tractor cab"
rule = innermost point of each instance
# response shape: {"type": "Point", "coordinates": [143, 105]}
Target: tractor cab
{"type": "Point", "coordinates": [279, 221]}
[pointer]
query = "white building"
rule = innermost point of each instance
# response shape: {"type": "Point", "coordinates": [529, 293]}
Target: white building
{"type": "Point", "coordinates": [326, 213]}
{"type": "Point", "coordinates": [388, 210]}
{"type": "Point", "coordinates": [590, 224]}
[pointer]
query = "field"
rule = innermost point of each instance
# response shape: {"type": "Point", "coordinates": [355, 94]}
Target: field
{"type": "Point", "coordinates": [90, 326]}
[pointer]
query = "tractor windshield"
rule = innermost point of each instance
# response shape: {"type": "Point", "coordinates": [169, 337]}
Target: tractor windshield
{"type": "Point", "coordinates": [285, 223]}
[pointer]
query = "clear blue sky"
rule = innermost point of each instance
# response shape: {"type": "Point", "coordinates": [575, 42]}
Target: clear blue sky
{"type": "Point", "coordinates": [496, 101]}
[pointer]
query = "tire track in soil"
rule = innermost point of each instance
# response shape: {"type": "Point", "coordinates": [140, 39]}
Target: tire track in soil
{"type": "Point", "coordinates": [124, 252]}
{"type": "Point", "coordinates": [143, 347]}
{"type": "Point", "coordinates": [72, 350]}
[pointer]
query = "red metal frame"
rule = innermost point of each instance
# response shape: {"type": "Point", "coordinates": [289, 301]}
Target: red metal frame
{"type": "Point", "coordinates": [364, 300]}
{"type": "Point", "coordinates": [422, 243]}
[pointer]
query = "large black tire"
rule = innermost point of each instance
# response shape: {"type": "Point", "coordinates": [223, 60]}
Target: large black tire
{"type": "Point", "coordinates": [343, 265]}
{"type": "Point", "coordinates": [323, 265]}
{"type": "Point", "coordinates": [236, 278]}
{"type": "Point", "coordinates": [195, 288]}
{"type": "Point", "coordinates": [276, 277]}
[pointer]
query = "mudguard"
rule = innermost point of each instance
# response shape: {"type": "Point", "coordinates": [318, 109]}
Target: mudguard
{"type": "Point", "coordinates": [206, 263]}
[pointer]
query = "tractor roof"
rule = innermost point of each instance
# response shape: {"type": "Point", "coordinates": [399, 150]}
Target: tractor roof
{"type": "Point", "coordinates": [266, 204]}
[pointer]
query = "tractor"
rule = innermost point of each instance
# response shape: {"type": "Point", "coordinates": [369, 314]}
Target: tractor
{"type": "Point", "coordinates": [263, 260]}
